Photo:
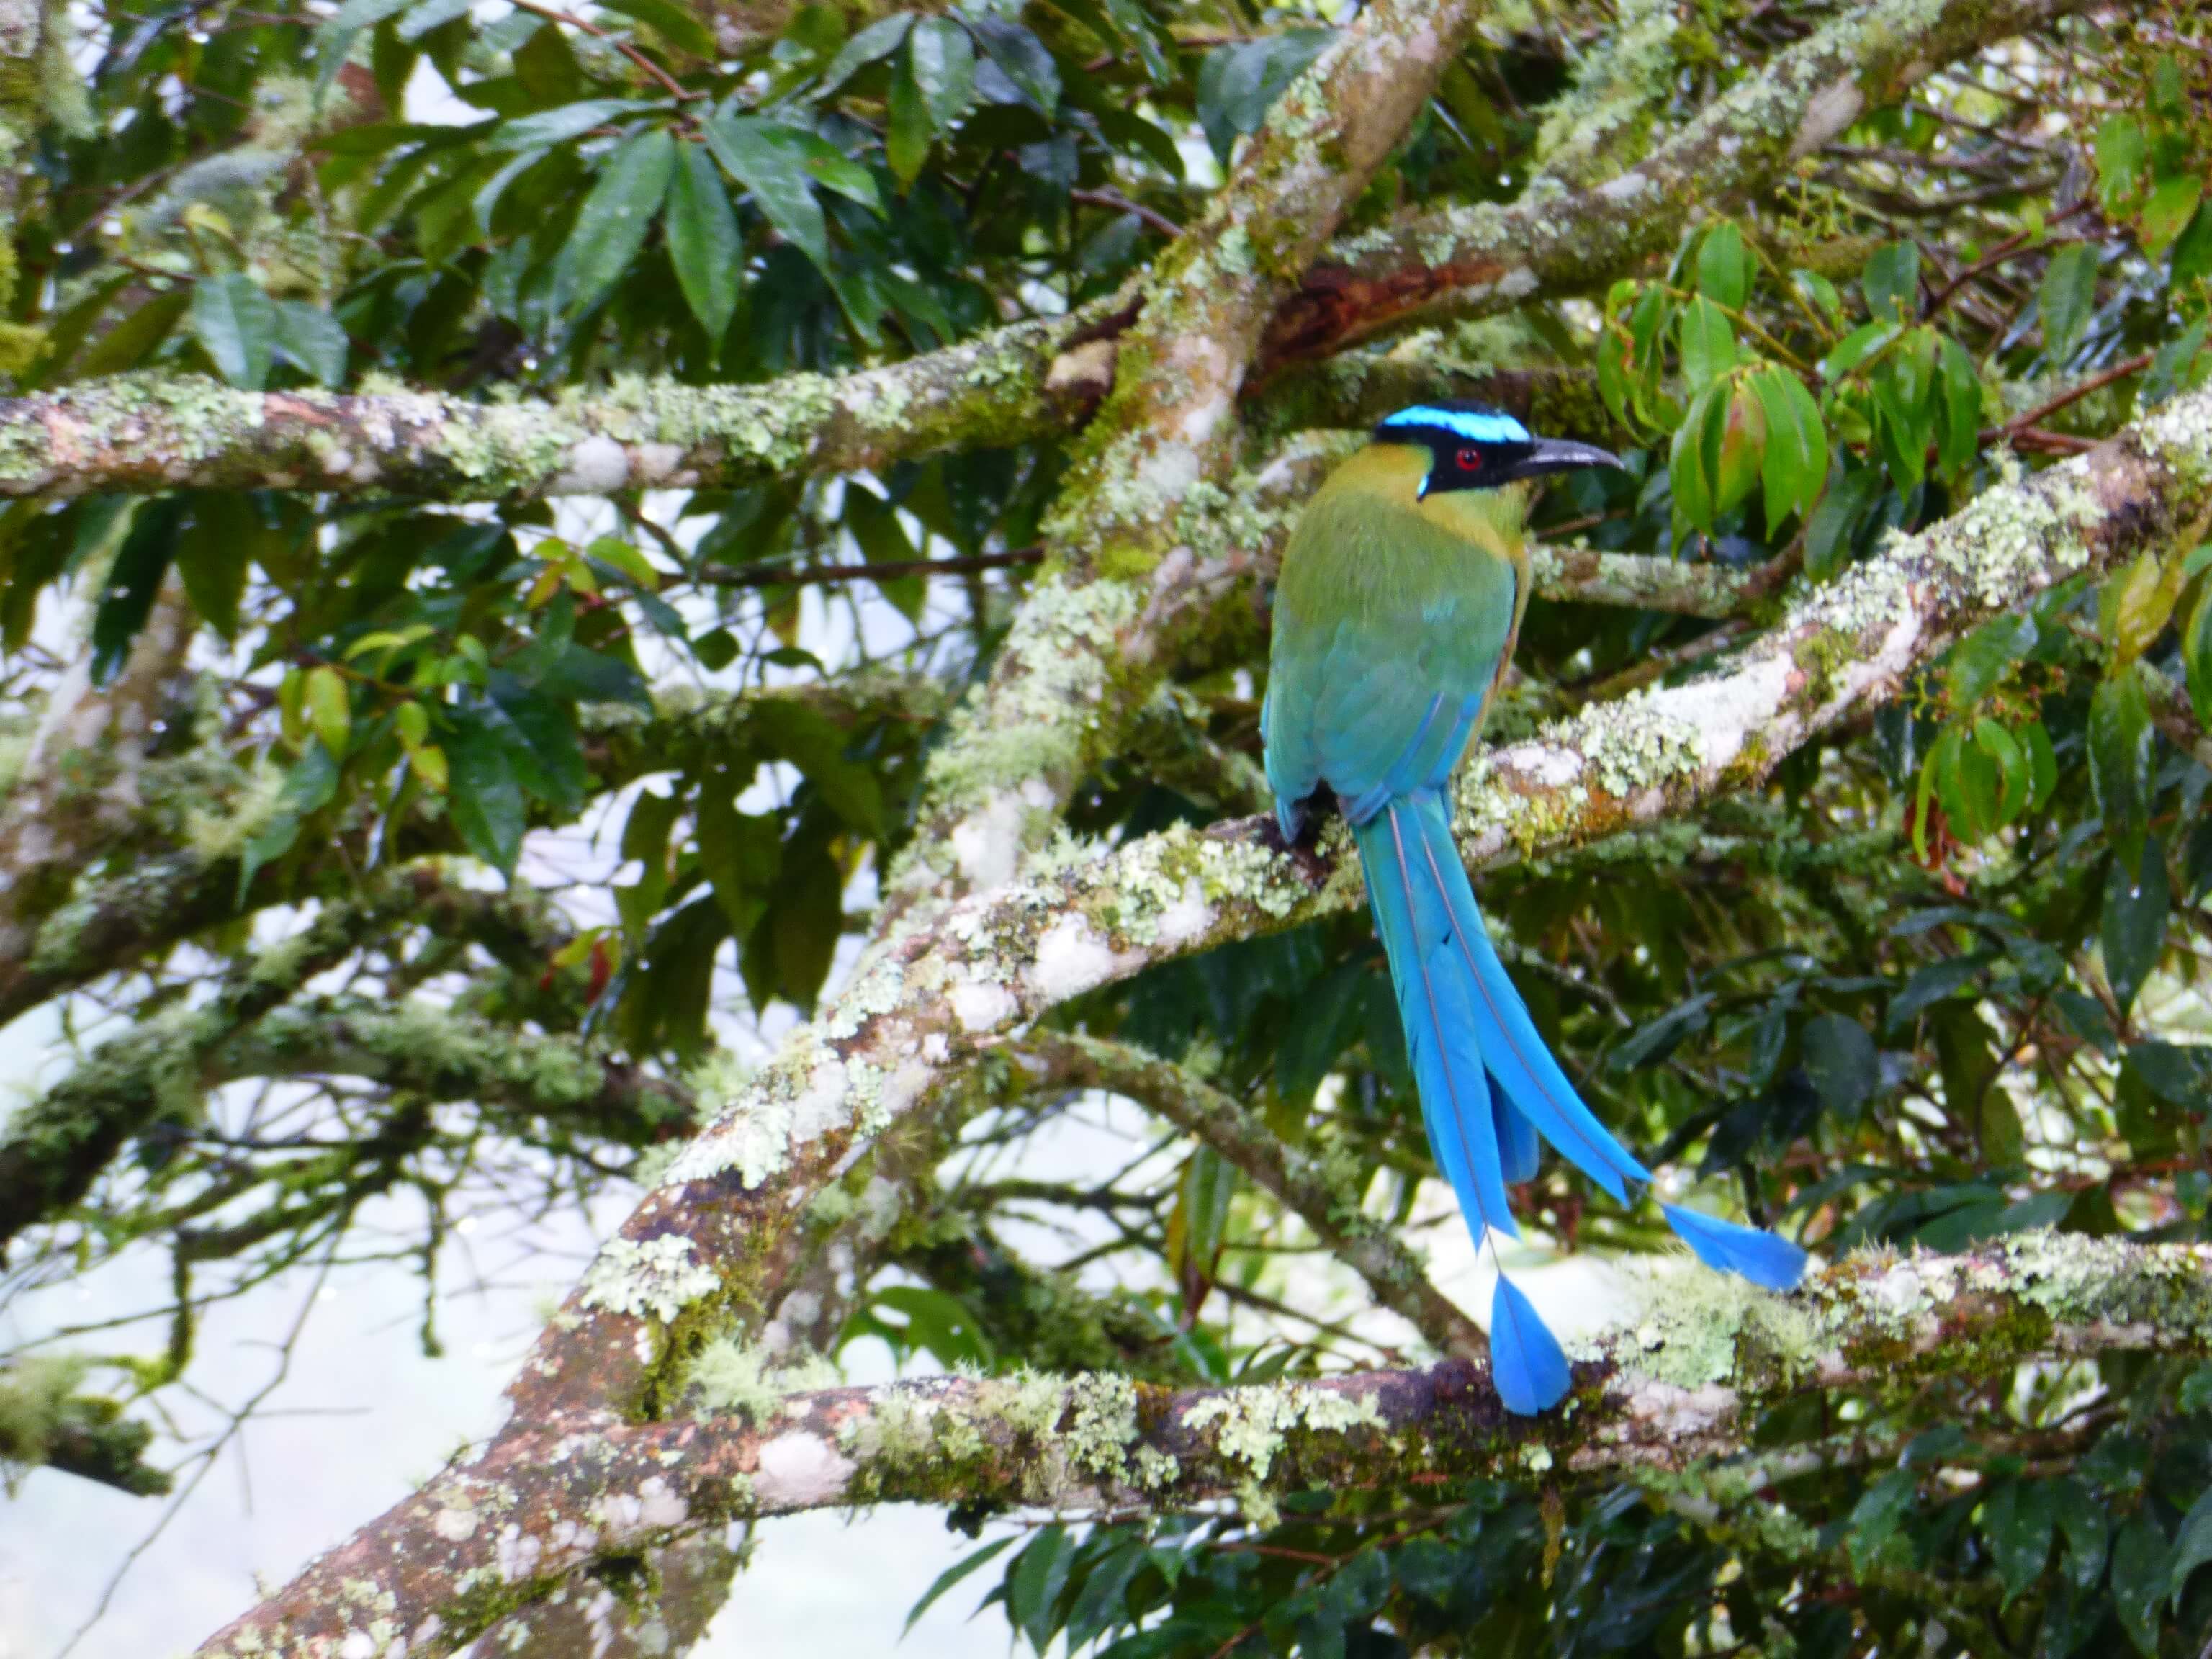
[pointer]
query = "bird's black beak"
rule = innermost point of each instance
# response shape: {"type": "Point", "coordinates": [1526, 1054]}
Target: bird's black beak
{"type": "Point", "coordinates": [1545, 455]}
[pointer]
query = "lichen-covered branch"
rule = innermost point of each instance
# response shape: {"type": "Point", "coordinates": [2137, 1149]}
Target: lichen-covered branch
{"type": "Point", "coordinates": [1683, 1379]}
{"type": "Point", "coordinates": [1568, 571]}
{"type": "Point", "coordinates": [1330, 1208]}
{"type": "Point", "coordinates": [154, 432]}
{"type": "Point", "coordinates": [1473, 260]}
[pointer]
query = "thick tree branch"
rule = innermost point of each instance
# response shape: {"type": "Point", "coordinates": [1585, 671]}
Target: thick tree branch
{"type": "Point", "coordinates": [1682, 1381]}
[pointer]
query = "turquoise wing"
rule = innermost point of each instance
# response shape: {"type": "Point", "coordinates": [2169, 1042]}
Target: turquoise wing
{"type": "Point", "coordinates": [1387, 638]}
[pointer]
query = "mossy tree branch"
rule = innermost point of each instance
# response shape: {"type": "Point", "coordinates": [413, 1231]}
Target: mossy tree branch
{"type": "Point", "coordinates": [1681, 1383]}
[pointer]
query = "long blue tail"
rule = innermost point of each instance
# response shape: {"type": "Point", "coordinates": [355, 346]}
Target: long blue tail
{"type": "Point", "coordinates": [1464, 1019]}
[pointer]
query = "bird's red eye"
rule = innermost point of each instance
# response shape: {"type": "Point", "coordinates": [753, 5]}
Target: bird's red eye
{"type": "Point", "coordinates": [1470, 460]}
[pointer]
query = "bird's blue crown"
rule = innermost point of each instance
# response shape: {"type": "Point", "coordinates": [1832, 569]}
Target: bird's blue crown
{"type": "Point", "coordinates": [1471, 422]}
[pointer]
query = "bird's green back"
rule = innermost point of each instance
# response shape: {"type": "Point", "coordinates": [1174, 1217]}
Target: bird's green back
{"type": "Point", "coordinates": [1393, 616]}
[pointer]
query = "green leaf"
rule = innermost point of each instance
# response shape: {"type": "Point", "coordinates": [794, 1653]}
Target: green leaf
{"type": "Point", "coordinates": [2192, 1545]}
{"type": "Point", "coordinates": [2122, 149]}
{"type": "Point", "coordinates": [2131, 927]}
{"type": "Point", "coordinates": [1877, 1518]}
{"type": "Point", "coordinates": [2087, 1533]}
{"type": "Point", "coordinates": [943, 60]}
{"type": "Point", "coordinates": [907, 139]}
{"type": "Point", "coordinates": [310, 338]}
{"type": "Point", "coordinates": [556, 126]}
{"type": "Point", "coordinates": [611, 226]}
{"type": "Point", "coordinates": [1102, 1601]}
{"type": "Point", "coordinates": [213, 561]}
{"type": "Point", "coordinates": [133, 581]}
{"type": "Point", "coordinates": [2020, 1518]}
{"type": "Point", "coordinates": [1708, 344]}
{"type": "Point", "coordinates": [1842, 1061]}
{"type": "Point", "coordinates": [2141, 1572]}
{"type": "Point", "coordinates": [2134, 605]}
{"type": "Point", "coordinates": [1794, 465]}
{"type": "Point", "coordinates": [776, 180]}
{"type": "Point", "coordinates": [2014, 781]}
{"type": "Point", "coordinates": [1855, 347]}
{"type": "Point", "coordinates": [953, 1574]}
{"type": "Point", "coordinates": [2172, 204]}
{"type": "Point", "coordinates": [675, 24]}
{"type": "Point", "coordinates": [545, 747]}
{"type": "Point", "coordinates": [792, 731]}
{"type": "Point", "coordinates": [2192, 249]}
{"type": "Point", "coordinates": [357, 15]}
{"type": "Point", "coordinates": [1200, 1219]}
{"type": "Point", "coordinates": [1739, 459]}
{"type": "Point", "coordinates": [235, 323]}
{"type": "Point", "coordinates": [940, 1322]}
{"type": "Point", "coordinates": [1831, 530]}
{"type": "Point", "coordinates": [1724, 267]}
{"type": "Point", "coordinates": [329, 708]}
{"type": "Point", "coordinates": [1686, 465]}
{"type": "Point", "coordinates": [704, 243]}
{"type": "Point", "coordinates": [2120, 759]}
{"type": "Point", "coordinates": [1035, 1581]}
{"type": "Point", "coordinates": [1959, 436]}
{"type": "Point", "coordinates": [309, 787]}
{"type": "Point", "coordinates": [1821, 294]}
{"type": "Point", "coordinates": [741, 852]}
{"type": "Point", "coordinates": [2197, 654]}
{"type": "Point", "coordinates": [1238, 84]}
{"type": "Point", "coordinates": [1891, 283]}
{"type": "Point", "coordinates": [483, 796]}
{"type": "Point", "coordinates": [2067, 297]}
{"type": "Point", "coordinates": [1015, 49]}
{"type": "Point", "coordinates": [871, 44]}
{"type": "Point", "coordinates": [546, 68]}
{"type": "Point", "coordinates": [1979, 663]}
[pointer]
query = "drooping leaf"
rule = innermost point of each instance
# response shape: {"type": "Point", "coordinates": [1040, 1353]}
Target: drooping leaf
{"type": "Point", "coordinates": [2121, 753]}
{"type": "Point", "coordinates": [310, 339]}
{"type": "Point", "coordinates": [2132, 924]}
{"type": "Point", "coordinates": [776, 180]}
{"type": "Point", "coordinates": [2067, 296]}
{"type": "Point", "coordinates": [1891, 283]}
{"type": "Point", "coordinates": [611, 225]}
{"type": "Point", "coordinates": [704, 242]}
{"type": "Point", "coordinates": [235, 323]}
{"type": "Point", "coordinates": [943, 59]}
{"type": "Point", "coordinates": [483, 796]}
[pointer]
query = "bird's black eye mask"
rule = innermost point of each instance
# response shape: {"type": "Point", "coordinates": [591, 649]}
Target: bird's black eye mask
{"type": "Point", "coordinates": [1474, 447]}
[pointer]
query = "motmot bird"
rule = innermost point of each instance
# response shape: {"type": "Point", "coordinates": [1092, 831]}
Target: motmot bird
{"type": "Point", "coordinates": [1401, 595]}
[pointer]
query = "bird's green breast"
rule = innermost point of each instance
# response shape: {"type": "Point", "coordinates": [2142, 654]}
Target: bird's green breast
{"type": "Point", "coordinates": [1370, 552]}
{"type": "Point", "coordinates": [1392, 616]}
